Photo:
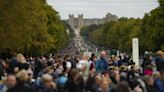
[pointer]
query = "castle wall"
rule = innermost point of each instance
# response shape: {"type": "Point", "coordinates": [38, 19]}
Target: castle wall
{"type": "Point", "coordinates": [77, 23]}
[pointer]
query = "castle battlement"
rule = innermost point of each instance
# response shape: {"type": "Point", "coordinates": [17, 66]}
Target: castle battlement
{"type": "Point", "coordinates": [78, 22]}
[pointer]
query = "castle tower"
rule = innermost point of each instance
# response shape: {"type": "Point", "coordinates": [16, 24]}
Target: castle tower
{"type": "Point", "coordinates": [110, 17]}
{"type": "Point", "coordinates": [71, 20]}
{"type": "Point", "coordinates": [80, 20]}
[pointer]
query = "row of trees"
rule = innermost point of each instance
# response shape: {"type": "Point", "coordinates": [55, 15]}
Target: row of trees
{"type": "Point", "coordinates": [31, 27]}
{"type": "Point", "coordinates": [119, 34]}
{"type": "Point", "coordinates": [71, 31]}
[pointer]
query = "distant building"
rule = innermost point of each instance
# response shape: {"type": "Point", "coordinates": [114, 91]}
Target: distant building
{"type": "Point", "coordinates": [79, 22]}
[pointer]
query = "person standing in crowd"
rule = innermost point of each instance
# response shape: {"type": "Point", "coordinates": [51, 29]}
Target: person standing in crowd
{"type": "Point", "coordinates": [114, 60]}
{"type": "Point", "coordinates": [67, 65]}
{"type": "Point", "coordinates": [3, 66]}
{"type": "Point", "coordinates": [9, 83]}
{"type": "Point", "coordinates": [13, 65]}
{"type": "Point", "coordinates": [74, 82]}
{"type": "Point", "coordinates": [132, 73]}
{"type": "Point", "coordinates": [91, 77]}
{"type": "Point", "coordinates": [123, 86]}
{"type": "Point", "coordinates": [160, 60]}
{"type": "Point", "coordinates": [84, 67]}
{"type": "Point", "coordinates": [97, 83]}
{"type": "Point", "coordinates": [62, 79]}
{"type": "Point", "coordinates": [147, 61]}
{"type": "Point", "coordinates": [18, 63]}
{"type": "Point", "coordinates": [102, 64]}
{"type": "Point", "coordinates": [92, 63]}
{"type": "Point", "coordinates": [104, 85]}
{"type": "Point", "coordinates": [48, 84]}
{"type": "Point", "coordinates": [150, 84]}
{"type": "Point", "coordinates": [22, 85]}
{"type": "Point", "coordinates": [38, 67]}
{"type": "Point", "coordinates": [158, 81]}
{"type": "Point", "coordinates": [162, 81]}
{"type": "Point", "coordinates": [22, 63]}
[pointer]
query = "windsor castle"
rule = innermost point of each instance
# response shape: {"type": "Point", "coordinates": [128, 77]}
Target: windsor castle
{"type": "Point", "coordinates": [79, 22]}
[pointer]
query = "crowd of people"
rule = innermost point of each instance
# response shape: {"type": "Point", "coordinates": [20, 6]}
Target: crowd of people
{"type": "Point", "coordinates": [74, 73]}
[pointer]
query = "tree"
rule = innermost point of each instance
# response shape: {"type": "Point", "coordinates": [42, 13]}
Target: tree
{"type": "Point", "coordinates": [56, 29]}
{"type": "Point", "coordinates": [116, 35]}
{"type": "Point", "coordinates": [30, 26]}
{"type": "Point", "coordinates": [152, 33]}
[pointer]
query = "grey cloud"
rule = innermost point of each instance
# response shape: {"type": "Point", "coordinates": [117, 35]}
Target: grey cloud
{"type": "Point", "coordinates": [98, 8]}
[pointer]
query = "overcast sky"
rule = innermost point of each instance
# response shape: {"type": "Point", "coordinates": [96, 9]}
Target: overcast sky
{"type": "Point", "coordinates": [99, 8]}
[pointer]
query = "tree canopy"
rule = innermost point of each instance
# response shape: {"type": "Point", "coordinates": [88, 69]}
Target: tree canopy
{"type": "Point", "coordinates": [30, 27]}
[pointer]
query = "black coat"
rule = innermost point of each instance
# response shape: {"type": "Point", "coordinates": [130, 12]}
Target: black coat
{"type": "Point", "coordinates": [44, 89]}
{"type": "Point", "coordinates": [151, 89]}
{"type": "Point", "coordinates": [12, 64]}
{"type": "Point", "coordinates": [22, 87]}
{"type": "Point", "coordinates": [23, 66]}
{"type": "Point", "coordinates": [72, 86]}
{"type": "Point", "coordinates": [160, 63]}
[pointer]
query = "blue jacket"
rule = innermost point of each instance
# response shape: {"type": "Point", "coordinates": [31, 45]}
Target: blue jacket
{"type": "Point", "coordinates": [101, 65]}
{"type": "Point", "coordinates": [159, 85]}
